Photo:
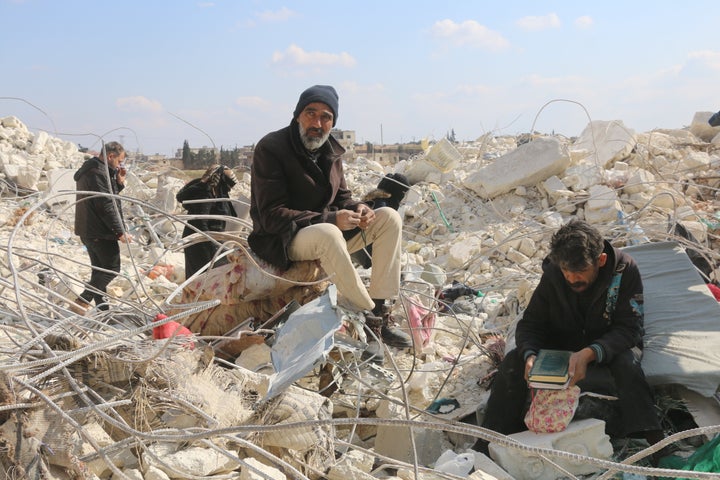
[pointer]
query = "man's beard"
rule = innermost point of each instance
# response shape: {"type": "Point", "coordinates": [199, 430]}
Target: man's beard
{"type": "Point", "coordinates": [578, 286]}
{"type": "Point", "coordinates": [312, 143]}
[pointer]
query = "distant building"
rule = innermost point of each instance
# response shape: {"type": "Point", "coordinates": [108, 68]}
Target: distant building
{"type": "Point", "coordinates": [346, 138]}
{"type": "Point", "coordinates": [388, 154]}
{"type": "Point", "coordinates": [179, 152]}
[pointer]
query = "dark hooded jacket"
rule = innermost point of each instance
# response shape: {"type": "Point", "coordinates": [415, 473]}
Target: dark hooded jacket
{"type": "Point", "coordinates": [197, 190]}
{"type": "Point", "coordinates": [290, 191]}
{"type": "Point", "coordinates": [97, 217]}
{"type": "Point", "coordinates": [554, 320]}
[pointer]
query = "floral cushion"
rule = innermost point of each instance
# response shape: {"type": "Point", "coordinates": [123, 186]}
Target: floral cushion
{"type": "Point", "coordinates": [552, 410]}
{"type": "Point", "coordinates": [248, 287]}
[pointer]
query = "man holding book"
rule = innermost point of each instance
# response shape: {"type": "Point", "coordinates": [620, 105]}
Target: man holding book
{"type": "Point", "coordinates": [590, 302]}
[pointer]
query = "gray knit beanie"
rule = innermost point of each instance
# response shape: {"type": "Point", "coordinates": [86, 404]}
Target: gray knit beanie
{"type": "Point", "coordinates": [318, 93]}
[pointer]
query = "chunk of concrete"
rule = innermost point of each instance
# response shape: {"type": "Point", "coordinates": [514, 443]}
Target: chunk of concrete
{"type": "Point", "coordinates": [486, 469]}
{"type": "Point", "coordinates": [256, 470]}
{"type": "Point", "coordinates": [639, 181]}
{"type": "Point", "coordinates": [605, 142]}
{"type": "Point", "coordinates": [701, 128]}
{"type": "Point", "coordinates": [396, 442]}
{"type": "Point", "coordinates": [529, 164]}
{"type": "Point", "coordinates": [582, 437]}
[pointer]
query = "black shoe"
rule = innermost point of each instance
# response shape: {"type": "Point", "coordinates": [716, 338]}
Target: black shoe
{"type": "Point", "coordinates": [482, 446]}
{"type": "Point", "coordinates": [375, 350]}
{"type": "Point", "coordinates": [392, 335]}
{"type": "Point", "coordinates": [395, 337]}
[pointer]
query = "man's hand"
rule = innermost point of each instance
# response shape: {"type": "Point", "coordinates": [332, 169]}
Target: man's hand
{"type": "Point", "coordinates": [121, 174]}
{"type": "Point", "coordinates": [125, 238]}
{"type": "Point", "coordinates": [578, 364]}
{"type": "Point", "coordinates": [347, 219]}
{"type": "Point", "coordinates": [367, 215]}
{"type": "Point", "coordinates": [529, 362]}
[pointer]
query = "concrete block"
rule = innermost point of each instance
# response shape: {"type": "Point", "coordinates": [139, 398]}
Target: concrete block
{"type": "Point", "coordinates": [639, 181]}
{"type": "Point", "coordinates": [583, 437]}
{"type": "Point", "coordinates": [607, 141]}
{"type": "Point", "coordinates": [601, 197]}
{"type": "Point", "coordinates": [701, 128]}
{"type": "Point", "coordinates": [555, 188]}
{"type": "Point", "coordinates": [395, 442]}
{"type": "Point", "coordinates": [486, 469]}
{"type": "Point", "coordinates": [261, 471]}
{"type": "Point", "coordinates": [582, 177]}
{"type": "Point", "coordinates": [531, 163]}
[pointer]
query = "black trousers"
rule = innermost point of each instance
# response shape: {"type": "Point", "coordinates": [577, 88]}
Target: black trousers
{"type": "Point", "coordinates": [623, 377]}
{"type": "Point", "coordinates": [199, 254]}
{"type": "Point", "coordinates": [105, 262]}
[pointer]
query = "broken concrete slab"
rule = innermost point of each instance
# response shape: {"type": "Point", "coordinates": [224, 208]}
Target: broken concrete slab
{"type": "Point", "coordinates": [602, 143]}
{"type": "Point", "coordinates": [582, 437]}
{"type": "Point", "coordinates": [529, 164]}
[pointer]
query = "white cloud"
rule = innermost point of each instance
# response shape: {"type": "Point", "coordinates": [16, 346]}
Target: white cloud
{"type": "Point", "coordinates": [138, 104]}
{"type": "Point", "coordinates": [584, 22]}
{"type": "Point", "coordinates": [535, 23]}
{"type": "Point", "coordinates": [709, 58]}
{"type": "Point", "coordinates": [295, 55]}
{"type": "Point", "coordinates": [276, 16]}
{"type": "Point", "coordinates": [469, 33]}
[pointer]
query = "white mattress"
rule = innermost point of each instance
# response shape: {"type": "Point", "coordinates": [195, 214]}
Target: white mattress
{"type": "Point", "coordinates": [682, 320]}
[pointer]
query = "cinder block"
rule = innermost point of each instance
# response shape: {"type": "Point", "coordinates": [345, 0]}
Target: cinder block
{"type": "Point", "coordinates": [583, 437]}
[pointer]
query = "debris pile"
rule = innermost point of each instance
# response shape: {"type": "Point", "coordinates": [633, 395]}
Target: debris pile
{"type": "Point", "coordinates": [97, 396]}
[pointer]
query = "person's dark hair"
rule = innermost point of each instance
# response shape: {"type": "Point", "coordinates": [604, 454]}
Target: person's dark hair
{"type": "Point", "coordinates": [111, 147]}
{"type": "Point", "coordinates": [576, 246]}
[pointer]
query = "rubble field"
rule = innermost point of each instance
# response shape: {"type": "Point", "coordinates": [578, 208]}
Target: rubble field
{"type": "Point", "coordinates": [96, 396]}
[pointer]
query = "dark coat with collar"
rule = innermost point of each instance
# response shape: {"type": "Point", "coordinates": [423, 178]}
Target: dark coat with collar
{"type": "Point", "coordinates": [197, 190]}
{"type": "Point", "coordinates": [289, 191]}
{"type": "Point", "coordinates": [553, 321]}
{"type": "Point", "coordinates": [98, 217]}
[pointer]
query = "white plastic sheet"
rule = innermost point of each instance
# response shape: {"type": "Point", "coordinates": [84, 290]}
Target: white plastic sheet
{"type": "Point", "coordinates": [303, 340]}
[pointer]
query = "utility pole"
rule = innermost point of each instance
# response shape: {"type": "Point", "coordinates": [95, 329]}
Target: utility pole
{"type": "Point", "coordinates": [382, 142]}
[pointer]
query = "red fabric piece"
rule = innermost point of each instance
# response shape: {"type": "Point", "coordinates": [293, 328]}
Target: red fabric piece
{"type": "Point", "coordinates": [421, 320]}
{"type": "Point", "coordinates": [170, 329]}
{"type": "Point", "coordinates": [715, 290]}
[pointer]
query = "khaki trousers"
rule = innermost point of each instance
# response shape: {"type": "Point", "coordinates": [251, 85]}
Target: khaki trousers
{"type": "Point", "coordinates": [325, 242]}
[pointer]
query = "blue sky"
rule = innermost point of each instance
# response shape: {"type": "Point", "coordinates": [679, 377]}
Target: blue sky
{"type": "Point", "coordinates": [156, 73]}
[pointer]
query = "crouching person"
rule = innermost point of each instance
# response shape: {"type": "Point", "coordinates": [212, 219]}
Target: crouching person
{"type": "Point", "coordinates": [589, 301]}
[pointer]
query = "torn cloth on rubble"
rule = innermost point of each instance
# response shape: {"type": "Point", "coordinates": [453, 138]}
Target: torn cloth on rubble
{"type": "Point", "coordinates": [249, 287]}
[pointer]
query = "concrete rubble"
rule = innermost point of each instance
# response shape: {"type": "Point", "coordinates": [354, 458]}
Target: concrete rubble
{"type": "Point", "coordinates": [97, 397]}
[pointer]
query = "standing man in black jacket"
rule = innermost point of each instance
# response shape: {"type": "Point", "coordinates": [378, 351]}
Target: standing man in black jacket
{"type": "Point", "coordinates": [589, 301]}
{"type": "Point", "coordinates": [99, 221]}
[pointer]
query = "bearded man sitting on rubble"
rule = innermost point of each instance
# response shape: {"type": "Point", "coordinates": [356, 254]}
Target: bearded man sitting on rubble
{"type": "Point", "coordinates": [302, 209]}
{"type": "Point", "coordinates": [589, 301]}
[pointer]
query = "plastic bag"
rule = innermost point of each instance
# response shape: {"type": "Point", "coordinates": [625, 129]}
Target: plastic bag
{"type": "Point", "coordinates": [552, 410]}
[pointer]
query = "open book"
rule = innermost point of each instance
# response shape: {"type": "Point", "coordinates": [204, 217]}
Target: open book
{"type": "Point", "coordinates": [550, 369]}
